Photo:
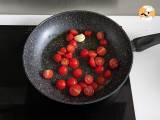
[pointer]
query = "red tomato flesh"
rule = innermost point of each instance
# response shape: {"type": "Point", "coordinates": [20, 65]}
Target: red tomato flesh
{"type": "Point", "coordinates": [113, 63]}
{"type": "Point", "coordinates": [99, 61]}
{"type": "Point", "coordinates": [88, 91]}
{"type": "Point", "coordinates": [64, 61]}
{"type": "Point", "coordinates": [101, 51]}
{"type": "Point", "coordinates": [88, 79]}
{"type": "Point", "coordinates": [48, 74]}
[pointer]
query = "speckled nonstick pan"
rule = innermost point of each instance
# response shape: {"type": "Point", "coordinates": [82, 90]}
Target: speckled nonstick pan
{"type": "Point", "coordinates": [40, 46]}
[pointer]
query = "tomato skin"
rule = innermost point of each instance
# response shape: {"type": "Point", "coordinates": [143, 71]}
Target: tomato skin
{"type": "Point", "coordinates": [99, 69]}
{"type": "Point", "coordinates": [63, 70]}
{"type": "Point", "coordinates": [83, 85]}
{"type": "Point", "coordinates": [99, 61]}
{"type": "Point", "coordinates": [103, 42]}
{"type": "Point", "coordinates": [64, 61]}
{"type": "Point", "coordinates": [73, 63]}
{"type": "Point", "coordinates": [77, 73]}
{"type": "Point", "coordinates": [101, 80]}
{"type": "Point", "coordinates": [60, 84]}
{"type": "Point", "coordinates": [88, 91]}
{"type": "Point", "coordinates": [92, 53]}
{"type": "Point", "coordinates": [73, 31]}
{"type": "Point", "coordinates": [101, 51]}
{"type": "Point", "coordinates": [92, 63]}
{"type": "Point", "coordinates": [84, 53]}
{"type": "Point", "coordinates": [70, 37]}
{"type": "Point", "coordinates": [71, 81]}
{"type": "Point", "coordinates": [88, 79]}
{"type": "Point", "coordinates": [73, 42]}
{"type": "Point", "coordinates": [100, 35]}
{"type": "Point", "coordinates": [69, 55]}
{"type": "Point", "coordinates": [88, 33]}
{"type": "Point", "coordinates": [70, 48]}
{"type": "Point", "coordinates": [57, 57]}
{"type": "Point", "coordinates": [107, 74]}
{"type": "Point", "coordinates": [63, 50]}
{"type": "Point", "coordinates": [113, 63]}
{"type": "Point", "coordinates": [75, 90]}
{"type": "Point", "coordinates": [95, 86]}
{"type": "Point", "coordinates": [47, 74]}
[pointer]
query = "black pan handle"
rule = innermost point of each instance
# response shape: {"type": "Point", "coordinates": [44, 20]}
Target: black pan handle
{"type": "Point", "coordinates": [142, 43]}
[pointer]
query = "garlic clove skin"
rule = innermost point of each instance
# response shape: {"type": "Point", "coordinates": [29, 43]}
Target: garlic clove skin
{"type": "Point", "coordinates": [80, 37]}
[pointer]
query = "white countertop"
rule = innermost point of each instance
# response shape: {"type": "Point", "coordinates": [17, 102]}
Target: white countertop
{"type": "Point", "coordinates": [144, 76]}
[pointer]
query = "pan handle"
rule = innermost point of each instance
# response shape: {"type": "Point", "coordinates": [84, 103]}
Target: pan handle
{"type": "Point", "coordinates": [144, 42]}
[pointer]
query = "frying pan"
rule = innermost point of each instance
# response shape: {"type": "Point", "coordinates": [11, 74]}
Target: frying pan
{"type": "Point", "coordinates": [40, 46]}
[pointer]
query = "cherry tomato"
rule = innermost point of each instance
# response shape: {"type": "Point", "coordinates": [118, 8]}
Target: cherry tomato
{"type": "Point", "coordinates": [73, 63]}
{"type": "Point", "coordinates": [69, 55]}
{"type": "Point", "coordinates": [88, 33]}
{"type": "Point", "coordinates": [73, 31]}
{"type": "Point", "coordinates": [99, 69]}
{"type": "Point", "coordinates": [83, 85]}
{"type": "Point", "coordinates": [84, 53]}
{"type": "Point", "coordinates": [88, 91]}
{"type": "Point", "coordinates": [60, 84]}
{"type": "Point", "coordinates": [70, 37]}
{"type": "Point", "coordinates": [107, 74]}
{"type": "Point", "coordinates": [57, 57]}
{"type": "Point", "coordinates": [99, 61]}
{"type": "Point", "coordinates": [70, 48]}
{"type": "Point", "coordinates": [103, 42]}
{"type": "Point", "coordinates": [64, 61]}
{"type": "Point", "coordinates": [113, 63]}
{"type": "Point", "coordinates": [73, 42]}
{"type": "Point", "coordinates": [63, 70]}
{"type": "Point", "coordinates": [88, 79]}
{"type": "Point", "coordinates": [75, 90]}
{"type": "Point", "coordinates": [92, 53]}
{"type": "Point", "coordinates": [101, 80]}
{"type": "Point", "coordinates": [71, 81]}
{"type": "Point", "coordinates": [48, 74]}
{"type": "Point", "coordinates": [63, 50]}
{"type": "Point", "coordinates": [100, 35]}
{"type": "Point", "coordinates": [101, 51]}
{"type": "Point", "coordinates": [95, 86]}
{"type": "Point", "coordinates": [92, 62]}
{"type": "Point", "coordinates": [60, 53]}
{"type": "Point", "coordinates": [77, 73]}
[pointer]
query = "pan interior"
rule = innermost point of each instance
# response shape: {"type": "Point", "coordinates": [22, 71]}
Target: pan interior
{"type": "Point", "coordinates": [49, 36]}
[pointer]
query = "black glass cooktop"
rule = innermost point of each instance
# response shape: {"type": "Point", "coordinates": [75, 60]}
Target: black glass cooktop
{"type": "Point", "coordinates": [20, 101]}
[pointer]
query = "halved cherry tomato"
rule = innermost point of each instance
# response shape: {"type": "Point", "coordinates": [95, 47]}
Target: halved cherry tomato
{"type": "Point", "coordinates": [113, 63]}
{"type": "Point", "coordinates": [92, 53]}
{"type": "Point", "coordinates": [63, 50]}
{"type": "Point", "coordinates": [77, 73]}
{"type": "Point", "coordinates": [84, 53]}
{"type": "Point", "coordinates": [71, 81]}
{"type": "Point", "coordinates": [73, 31]}
{"type": "Point", "coordinates": [95, 86]}
{"type": "Point", "coordinates": [88, 33]}
{"type": "Point", "coordinates": [99, 61]}
{"type": "Point", "coordinates": [62, 70]}
{"type": "Point", "coordinates": [99, 69]}
{"type": "Point", "coordinates": [70, 37]}
{"type": "Point", "coordinates": [75, 90]}
{"type": "Point", "coordinates": [64, 61]}
{"type": "Point", "coordinates": [69, 55]}
{"type": "Point", "coordinates": [83, 85]}
{"type": "Point", "coordinates": [101, 80]}
{"type": "Point", "coordinates": [88, 91]}
{"type": "Point", "coordinates": [48, 74]}
{"type": "Point", "coordinates": [88, 79]}
{"type": "Point", "coordinates": [101, 51]}
{"type": "Point", "coordinates": [61, 84]}
{"type": "Point", "coordinates": [70, 48]}
{"type": "Point", "coordinates": [57, 57]}
{"type": "Point", "coordinates": [73, 42]}
{"type": "Point", "coordinates": [107, 74]}
{"type": "Point", "coordinates": [91, 62]}
{"type": "Point", "coordinates": [103, 42]}
{"type": "Point", "coordinates": [73, 63]}
{"type": "Point", "coordinates": [100, 35]}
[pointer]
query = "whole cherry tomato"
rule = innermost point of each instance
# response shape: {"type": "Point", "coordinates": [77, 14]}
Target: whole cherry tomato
{"type": "Point", "coordinates": [48, 74]}
{"type": "Point", "coordinates": [88, 91]}
{"type": "Point", "coordinates": [70, 37]}
{"type": "Point", "coordinates": [100, 35]}
{"type": "Point", "coordinates": [88, 79]}
{"type": "Point", "coordinates": [73, 31]}
{"type": "Point", "coordinates": [57, 57]}
{"type": "Point", "coordinates": [103, 42]}
{"type": "Point", "coordinates": [92, 53]}
{"type": "Point", "coordinates": [83, 85]}
{"type": "Point", "coordinates": [73, 63]}
{"type": "Point", "coordinates": [63, 70]}
{"type": "Point", "coordinates": [63, 50]}
{"type": "Point", "coordinates": [107, 74]}
{"type": "Point", "coordinates": [60, 84]}
{"type": "Point", "coordinates": [91, 62]}
{"type": "Point", "coordinates": [84, 53]}
{"type": "Point", "coordinates": [99, 69]}
{"type": "Point", "coordinates": [64, 61]}
{"type": "Point", "coordinates": [70, 48]}
{"type": "Point", "coordinates": [77, 73]}
{"type": "Point", "coordinates": [101, 80]}
{"type": "Point", "coordinates": [101, 51]}
{"type": "Point", "coordinates": [99, 61]}
{"type": "Point", "coordinates": [69, 55]}
{"type": "Point", "coordinates": [95, 86]}
{"type": "Point", "coordinates": [113, 63]}
{"type": "Point", "coordinates": [75, 90]}
{"type": "Point", "coordinates": [88, 33]}
{"type": "Point", "coordinates": [73, 42]}
{"type": "Point", "coordinates": [71, 81]}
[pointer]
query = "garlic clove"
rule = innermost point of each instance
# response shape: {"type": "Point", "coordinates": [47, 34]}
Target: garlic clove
{"type": "Point", "coordinates": [80, 37]}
